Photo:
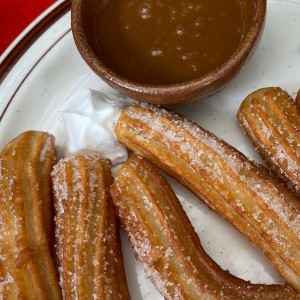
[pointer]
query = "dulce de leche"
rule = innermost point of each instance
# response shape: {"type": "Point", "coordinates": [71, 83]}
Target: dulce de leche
{"type": "Point", "coordinates": [167, 41]}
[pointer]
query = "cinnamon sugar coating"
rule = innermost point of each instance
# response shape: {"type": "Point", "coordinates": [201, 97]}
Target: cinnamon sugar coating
{"type": "Point", "coordinates": [239, 190]}
{"type": "Point", "coordinates": [87, 236]}
{"type": "Point", "coordinates": [165, 241]}
{"type": "Point", "coordinates": [271, 119]}
{"type": "Point", "coordinates": [27, 269]}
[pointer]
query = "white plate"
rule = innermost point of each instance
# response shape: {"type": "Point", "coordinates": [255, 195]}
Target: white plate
{"type": "Point", "coordinates": [35, 82]}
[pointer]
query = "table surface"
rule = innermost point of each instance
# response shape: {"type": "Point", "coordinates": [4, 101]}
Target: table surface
{"type": "Point", "coordinates": [16, 15]}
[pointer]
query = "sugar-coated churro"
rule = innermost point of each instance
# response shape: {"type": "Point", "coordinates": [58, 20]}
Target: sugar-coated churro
{"type": "Point", "coordinates": [88, 242]}
{"type": "Point", "coordinates": [27, 269]}
{"type": "Point", "coordinates": [271, 119]}
{"type": "Point", "coordinates": [239, 190]}
{"type": "Point", "coordinates": [165, 241]}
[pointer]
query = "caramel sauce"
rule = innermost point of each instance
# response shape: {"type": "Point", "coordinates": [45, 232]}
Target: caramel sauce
{"type": "Point", "coordinates": [167, 41]}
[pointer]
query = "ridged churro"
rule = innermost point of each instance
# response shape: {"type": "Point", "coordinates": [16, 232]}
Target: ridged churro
{"type": "Point", "coordinates": [239, 190]}
{"type": "Point", "coordinates": [165, 241]}
{"type": "Point", "coordinates": [88, 242]}
{"type": "Point", "coordinates": [27, 269]}
{"type": "Point", "coordinates": [271, 119]}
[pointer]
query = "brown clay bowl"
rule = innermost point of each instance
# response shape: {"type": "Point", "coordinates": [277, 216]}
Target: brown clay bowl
{"type": "Point", "coordinates": [83, 19]}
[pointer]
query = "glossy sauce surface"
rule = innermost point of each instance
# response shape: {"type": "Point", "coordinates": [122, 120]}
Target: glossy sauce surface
{"type": "Point", "coordinates": [167, 41]}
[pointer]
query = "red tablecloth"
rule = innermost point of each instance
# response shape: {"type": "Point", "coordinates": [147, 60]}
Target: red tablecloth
{"type": "Point", "coordinates": [16, 15]}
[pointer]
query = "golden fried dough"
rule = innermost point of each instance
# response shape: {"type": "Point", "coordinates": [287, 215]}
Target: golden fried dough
{"type": "Point", "coordinates": [88, 242]}
{"type": "Point", "coordinates": [271, 119]}
{"type": "Point", "coordinates": [234, 187]}
{"type": "Point", "coordinates": [165, 241]}
{"type": "Point", "coordinates": [27, 269]}
{"type": "Point", "coordinates": [298, 99]}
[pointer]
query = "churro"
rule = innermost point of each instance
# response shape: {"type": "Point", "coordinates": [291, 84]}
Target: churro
{"type": "Point", "coordinates": [88, 242]}
{"type": "Point", "coordinates": [271, 119]}
{"type": "Point", "coordinates": [27, 269]}
{"type": "Point", "coordinates": [239, 190]}
{"type": "Point", "coordinates": [165, 241]}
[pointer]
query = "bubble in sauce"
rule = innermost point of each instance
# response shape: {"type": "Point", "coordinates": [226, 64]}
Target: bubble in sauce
{"type": "Point", "coordinates": [157, 52]}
